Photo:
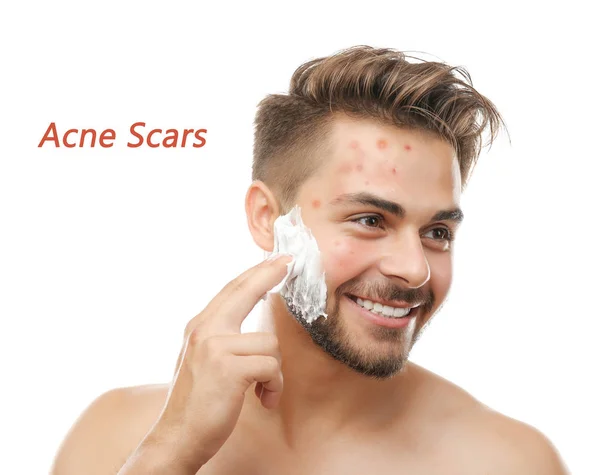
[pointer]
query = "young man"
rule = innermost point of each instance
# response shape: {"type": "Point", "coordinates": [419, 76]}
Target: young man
{"type": "Point", "coordinates": [375, 151]}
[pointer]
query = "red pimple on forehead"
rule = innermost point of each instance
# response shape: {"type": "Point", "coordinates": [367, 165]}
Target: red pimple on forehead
{"type": "Point", "coordinates": [381, 144]}
{"type": "Point", "coordinates": [316, 203]}
{"type": "Point", "coordinates": [407, 147]}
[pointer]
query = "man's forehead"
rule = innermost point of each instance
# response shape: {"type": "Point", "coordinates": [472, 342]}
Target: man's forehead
{"type": "Point", "coordinates": [347, 130]}
{"type": "Point", "coordinates": [366, 146]}
{"type": "Point", "coordinates": [388, 163]}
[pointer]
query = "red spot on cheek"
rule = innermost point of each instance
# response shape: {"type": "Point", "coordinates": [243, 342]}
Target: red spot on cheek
{"type": "Point", "coordinates": [345, 168]}
{"type": "Point", "coordinates": [407, 147]}
{"type": "Point", "coordinates": [354, 144]}
{"type": "Point", "coordinates": [381, 144]}
{"type": "Point", "coordinates": [336, 243]}
{"type": "Point", "coordinates": [316, 203]}
{"type": "Point", "coordinates": [366, 182]}
{"type": "Point", "coordinates": [394, 170]}
{"type": "Point", "coordinates": [359, 167]}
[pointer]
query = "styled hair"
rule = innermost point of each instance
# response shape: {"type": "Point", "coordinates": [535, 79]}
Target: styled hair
{"type": "Point", "coordinates": [291, 130]}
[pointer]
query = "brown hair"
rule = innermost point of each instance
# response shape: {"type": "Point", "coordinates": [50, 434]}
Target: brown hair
{"type": "Point", "coordinates": [369, 83]}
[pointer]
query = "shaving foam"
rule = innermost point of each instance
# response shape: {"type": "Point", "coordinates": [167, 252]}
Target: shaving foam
{"type": "Point", "coordinates": [303, 288]}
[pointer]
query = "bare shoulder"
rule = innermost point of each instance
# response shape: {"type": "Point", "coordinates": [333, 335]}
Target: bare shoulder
{"type": "Point", "coordinates": [482, 439]}
{"type": "Point", "coordinates": [514, 447]}
{"type": "Point", "coordinates": [109, 430]}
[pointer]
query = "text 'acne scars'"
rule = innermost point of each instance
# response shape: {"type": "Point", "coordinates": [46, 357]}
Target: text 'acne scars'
{"type": "Point", "coordinates": [154, 138]}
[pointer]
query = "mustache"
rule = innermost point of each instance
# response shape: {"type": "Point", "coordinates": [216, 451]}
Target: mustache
{"type": "Point", "coordinates": [384, 291]}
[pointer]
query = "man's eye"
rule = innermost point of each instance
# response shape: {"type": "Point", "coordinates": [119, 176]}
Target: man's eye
{"type": "Point", "coordinates": [445, 235]}
{"type": "Point", "coordinates": [371, 221]}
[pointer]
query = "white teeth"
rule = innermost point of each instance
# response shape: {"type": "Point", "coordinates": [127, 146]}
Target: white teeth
{"type": "Point", "coordinates": [385, 310]}
{"type": "Point", "coordinates": [401, 312]}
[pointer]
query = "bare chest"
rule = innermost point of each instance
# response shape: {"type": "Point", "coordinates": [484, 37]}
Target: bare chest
{"type": "Point", "coordinates": [384, 458]}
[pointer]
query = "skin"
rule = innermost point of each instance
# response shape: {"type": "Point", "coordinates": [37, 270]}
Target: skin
{"type": "Point", "coordinates": [376, 252]}
{"type": "Point", "coordinates": [331, 417]}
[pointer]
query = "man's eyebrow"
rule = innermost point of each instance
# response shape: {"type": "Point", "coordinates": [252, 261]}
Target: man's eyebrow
{"type": "Point", "coordinates": [391, 207]}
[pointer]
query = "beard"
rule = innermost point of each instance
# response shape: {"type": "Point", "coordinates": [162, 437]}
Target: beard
{"type": "Point", "coordinates": [389, 354]}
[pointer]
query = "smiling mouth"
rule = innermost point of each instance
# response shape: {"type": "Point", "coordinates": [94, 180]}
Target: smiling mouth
{"type": "Point", "coordinates": [384, 309]}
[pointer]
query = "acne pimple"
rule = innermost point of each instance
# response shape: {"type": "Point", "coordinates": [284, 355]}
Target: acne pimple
{"type": "Point", "coordinates": [316, 203]}
{"type": "Point", "coordinates": [354, 144]}
{"type": "Point", "coordinates": [359, 167]}
{"type": "Point", "coordinates": [366, 182]}
{"type": "Point", "coordinates": [336, 243]}
{"type": "Point", "coordinates": [394, 170]}
{"type": "Point", "coordinates": [345, 168]}
{"type": "Point", "coordinates": [381, 144]}
{"type": "Point", "coordinates": [407, 147]}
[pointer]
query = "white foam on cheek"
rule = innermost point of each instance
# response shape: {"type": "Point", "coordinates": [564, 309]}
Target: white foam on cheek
{"type": "Point", "coordinates": [304, 286]}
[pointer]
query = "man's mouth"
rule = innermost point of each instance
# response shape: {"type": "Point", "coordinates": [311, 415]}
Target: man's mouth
{"type": "Point", "coordinates": [388, 309]}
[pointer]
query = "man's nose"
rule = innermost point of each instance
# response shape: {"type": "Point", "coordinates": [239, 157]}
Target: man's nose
{"type": "Point", "coordinates": [405, 259]}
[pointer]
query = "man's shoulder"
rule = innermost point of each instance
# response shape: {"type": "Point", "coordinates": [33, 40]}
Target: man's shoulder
{"type": "Point", "coordinates": [485, 439]}
{"type": "Point", "coordinates": [109, 429]}
{"type": "Point", "coordinates": [509, 446]}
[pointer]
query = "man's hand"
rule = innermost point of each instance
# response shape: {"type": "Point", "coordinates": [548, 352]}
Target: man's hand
{"type": "Point", "coordinates": [216, 366]}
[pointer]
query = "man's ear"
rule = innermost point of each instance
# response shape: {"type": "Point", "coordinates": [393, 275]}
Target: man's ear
{"type": "Point", "coordinates": [262, 209]}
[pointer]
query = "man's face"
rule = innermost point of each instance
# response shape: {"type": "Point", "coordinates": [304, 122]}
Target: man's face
{"type": "Point", "coordinates": [372, 208]}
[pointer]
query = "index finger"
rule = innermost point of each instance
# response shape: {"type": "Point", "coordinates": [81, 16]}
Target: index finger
{"type": "Point", "coordinates": [228, 309]}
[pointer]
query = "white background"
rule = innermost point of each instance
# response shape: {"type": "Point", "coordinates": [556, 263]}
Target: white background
{"type": "Point", "coordinates": [105, 254]}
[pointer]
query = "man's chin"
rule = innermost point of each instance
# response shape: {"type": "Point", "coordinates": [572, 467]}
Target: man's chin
{"type": "Point", "coordinates": [372, 351]}
{"type": "Point", "coordinates": [379, 368]}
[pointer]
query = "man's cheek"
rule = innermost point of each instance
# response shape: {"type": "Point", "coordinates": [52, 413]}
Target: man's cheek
{"type": "Point", "coordinates": [344, 259]}
{"type": "Point", "coordinates": [441, 278]}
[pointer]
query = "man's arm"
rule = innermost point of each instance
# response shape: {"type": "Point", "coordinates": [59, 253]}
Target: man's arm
{"type": "Point", "coordinates": [108, 431]}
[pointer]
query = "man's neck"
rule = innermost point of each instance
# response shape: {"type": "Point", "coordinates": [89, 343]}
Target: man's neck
{"type": "Point", "coordinates": [321, 395]}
